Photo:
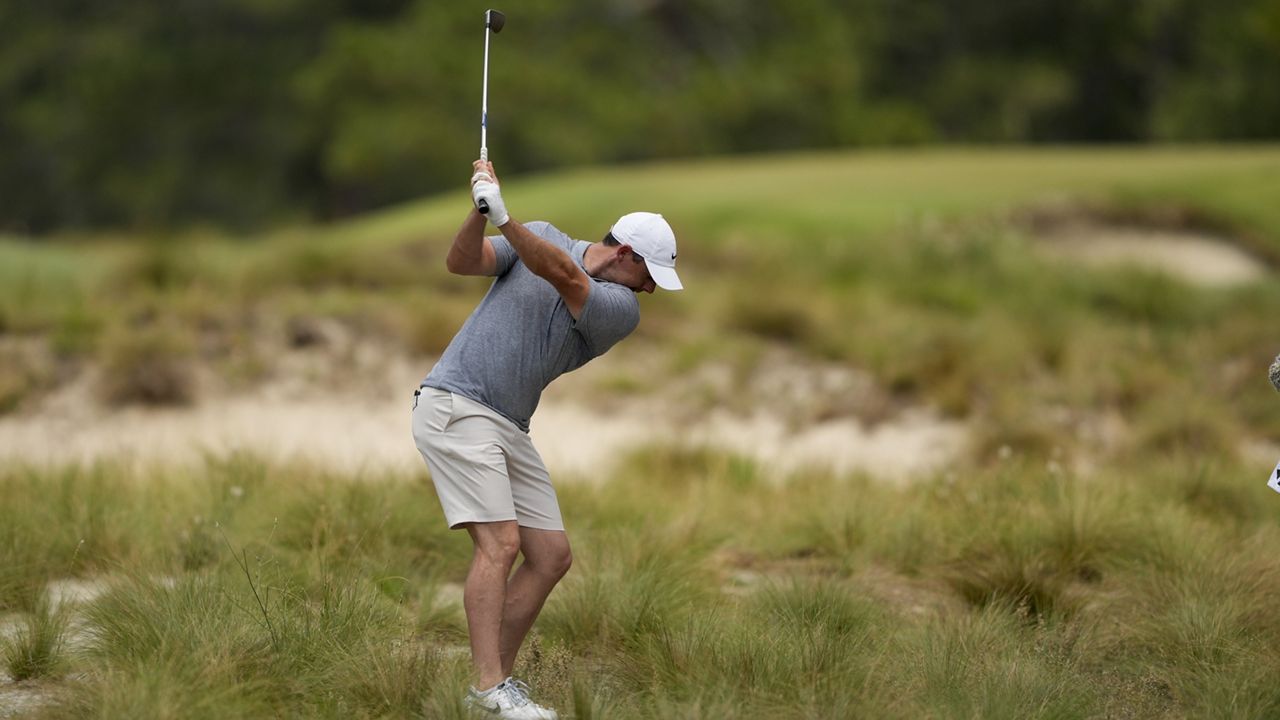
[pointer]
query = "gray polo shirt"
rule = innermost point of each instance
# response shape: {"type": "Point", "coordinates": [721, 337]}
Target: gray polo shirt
{"type": "Point", "coordinates": [521, 336]}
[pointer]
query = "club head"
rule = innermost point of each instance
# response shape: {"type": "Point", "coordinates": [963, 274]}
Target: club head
{"type": "Point", "coordinates": [494, 20]}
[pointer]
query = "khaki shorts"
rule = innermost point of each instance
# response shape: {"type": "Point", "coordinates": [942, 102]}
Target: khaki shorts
{"type": "Point", "coordinates": [484, 468]}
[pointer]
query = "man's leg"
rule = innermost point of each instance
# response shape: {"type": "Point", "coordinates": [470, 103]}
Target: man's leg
{"type": "Point", "coordinates": [485, 594]}
{"type": "Point", "coordinates": [546, 560]}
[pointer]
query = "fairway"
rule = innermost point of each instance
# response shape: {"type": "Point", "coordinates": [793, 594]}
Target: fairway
{"type": "Point", "coordinates": [935, 433]}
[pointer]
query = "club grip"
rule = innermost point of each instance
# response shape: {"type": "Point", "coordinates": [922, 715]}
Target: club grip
{"type": "Point", "coordinates": [483, 207]}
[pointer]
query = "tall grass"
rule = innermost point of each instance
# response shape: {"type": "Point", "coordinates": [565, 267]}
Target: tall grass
{"type": "Point", "coordinates": [1012, 590]}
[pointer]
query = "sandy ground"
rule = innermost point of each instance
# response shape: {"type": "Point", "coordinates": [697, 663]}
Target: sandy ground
{"type": "Point", "coordinates": [581, 432]}
{"type": "Point", "coordinates": [913, 444]}
{"type": "Point", "coordinates": [1198, 258]}
{"type": "Point", "coordinates": [18, 699]}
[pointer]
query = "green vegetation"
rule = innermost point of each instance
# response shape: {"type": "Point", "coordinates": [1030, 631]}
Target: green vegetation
{"type": "Point", "coordinates": [701, 588]}
{"type": "Point", "coordinates": [37, 649]}
{"type": "Point", "coordinates": [925, 277]}
{"type": "Point", "coordinates": [253, 113]}
{"type": "Point", "coordinates": [1101, 549]}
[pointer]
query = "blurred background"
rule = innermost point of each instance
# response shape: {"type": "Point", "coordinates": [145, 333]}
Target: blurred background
{"type": "Point", "coordinates": [245, 114]}
{"type": "Point", "coordinates": [986, 214]}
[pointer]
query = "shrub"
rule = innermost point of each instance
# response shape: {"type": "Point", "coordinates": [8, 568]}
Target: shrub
{"type": "Point", "coordinates": [148, 365]}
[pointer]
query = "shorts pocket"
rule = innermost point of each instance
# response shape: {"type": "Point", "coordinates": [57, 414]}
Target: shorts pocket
{"type": "Point", "coordinates": [439, 412]}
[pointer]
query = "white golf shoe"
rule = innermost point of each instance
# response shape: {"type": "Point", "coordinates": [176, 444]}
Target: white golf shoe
{"type": "Point", "coordinates": [509, 700]}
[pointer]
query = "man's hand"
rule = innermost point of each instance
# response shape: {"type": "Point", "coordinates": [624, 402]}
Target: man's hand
{"type": "Point", "coordinates": [484, 186]}
{"type": "Point", "coordinates": [489, 192]}
{"type": "Point", "coordinates": [483, 167]}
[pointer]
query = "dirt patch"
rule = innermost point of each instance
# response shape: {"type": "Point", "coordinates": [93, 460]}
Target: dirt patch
{"type": "Point", "coordinates": [71, 592]}
{"type": "Point", "coordinates": [918, 597]}
{"type": "Point", "coordinates": [18, 699]}
{"type": "Point", "coordinates": [1177, 243]}
{"type": "Point", "coordinates": [743, 574]}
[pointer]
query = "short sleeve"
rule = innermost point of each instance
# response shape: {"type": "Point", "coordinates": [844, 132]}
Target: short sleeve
{"type": "Point", "coordinates": [505, 253]}
{"type": "Point", "coordinates": [610, 314]}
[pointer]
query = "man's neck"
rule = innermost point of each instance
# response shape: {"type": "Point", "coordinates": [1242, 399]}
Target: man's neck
{"type": "Point", "coordinates": [594, 258]}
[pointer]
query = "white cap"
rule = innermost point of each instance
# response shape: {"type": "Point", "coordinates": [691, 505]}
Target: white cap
{"type": "Point", "coordinates": [651, 238]}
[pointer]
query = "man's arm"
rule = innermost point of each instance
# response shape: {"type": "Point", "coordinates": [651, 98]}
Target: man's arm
{"type": "Point", "coordinates": [551, 264]}
{"type": "Point", "coordinates": [541, 257]}
{"type": "Point", "coordinates": [471, 252]}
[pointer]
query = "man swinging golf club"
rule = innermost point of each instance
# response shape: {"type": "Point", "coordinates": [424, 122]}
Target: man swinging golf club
{"type": "Point", "coordinates": [556, 304]}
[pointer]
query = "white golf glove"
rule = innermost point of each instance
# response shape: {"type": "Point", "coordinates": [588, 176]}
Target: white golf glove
{"type": "Point", "coordinates": [487, 190]}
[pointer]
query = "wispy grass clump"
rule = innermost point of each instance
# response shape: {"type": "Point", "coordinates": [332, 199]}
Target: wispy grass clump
{"type": "Point", "coordinates": [625, 590]}
{"type": "Point", "coordinates": [1206, 629]}
{"type": "Point", "coordinates": [81, 520]}
{"type": "Point", "coordinates": [102, 518]}
{"type": "Point", "coordinates": [990, 665]}
{"type": "Point", "coordinates": [37, 649]}
{"type": "Point", "coordinates": [797, 649]}
{"type": "Point", "coordinates": [250, 640]}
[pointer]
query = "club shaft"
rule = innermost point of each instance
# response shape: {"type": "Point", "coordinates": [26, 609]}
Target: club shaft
{"type": "Point", "coordinates": [484, 100]}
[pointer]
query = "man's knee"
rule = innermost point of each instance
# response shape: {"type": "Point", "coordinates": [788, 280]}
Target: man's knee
{"type": "Point", "coordinates": [553, 561]}
{"type": "Point", "coordinates": [497, 543]}
{"type": "Point", "coordinates": [564, 562]}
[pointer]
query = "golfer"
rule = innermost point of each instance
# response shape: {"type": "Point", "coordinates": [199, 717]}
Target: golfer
{"type": "Point", "coordinates": [555, 304]}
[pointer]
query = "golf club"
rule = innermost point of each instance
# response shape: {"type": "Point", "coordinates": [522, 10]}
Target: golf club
{"type": "Point", "coordinates": [493, 20]}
